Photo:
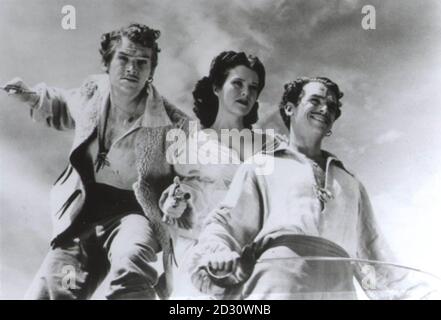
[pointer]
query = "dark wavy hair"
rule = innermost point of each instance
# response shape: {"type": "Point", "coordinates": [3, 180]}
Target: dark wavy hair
{"type": "Point", "coordinates": [294, 92]}
{"type": "Point", "coordinates": [206, 103]}
{"type": "Point", "coordinates": [135, 32]}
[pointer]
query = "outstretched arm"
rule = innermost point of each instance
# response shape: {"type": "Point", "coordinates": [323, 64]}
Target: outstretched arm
{"type": "Point", "coordinates": [52, 106]}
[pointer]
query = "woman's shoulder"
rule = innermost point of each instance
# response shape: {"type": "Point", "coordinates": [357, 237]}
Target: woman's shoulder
{"type": "Point", "coordinates": [206, 157]}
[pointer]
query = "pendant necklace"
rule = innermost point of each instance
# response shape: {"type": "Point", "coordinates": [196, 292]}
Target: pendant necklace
{"type": "Point", "coordinates": [101, 158]}
{"type": "Point", "coordinates": [322, 193]}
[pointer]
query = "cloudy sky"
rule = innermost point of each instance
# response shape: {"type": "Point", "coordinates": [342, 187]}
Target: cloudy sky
{"type": "Point", "coordinates": [388, 133]}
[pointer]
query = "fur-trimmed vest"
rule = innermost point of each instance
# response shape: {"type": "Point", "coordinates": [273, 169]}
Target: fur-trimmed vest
{"type": "Point", "coordinates": [80, 109]}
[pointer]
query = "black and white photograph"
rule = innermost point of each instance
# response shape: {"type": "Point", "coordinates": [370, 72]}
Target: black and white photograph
{"type": "Point", "coordinates": [220, 150]}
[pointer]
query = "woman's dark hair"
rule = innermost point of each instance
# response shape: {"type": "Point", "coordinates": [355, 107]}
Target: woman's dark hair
{"type": "Point", "coordinates": [206, 103]}
{"type": "Point", "coordinates": [294, 92]}
{"type": "Point", "coordinates": [135, 32]}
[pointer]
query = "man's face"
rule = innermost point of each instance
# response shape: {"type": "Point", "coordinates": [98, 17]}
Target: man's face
{"type": "Point", "coordinates": [130, 67]}
{"type": "Point", "coordinates": [316, 110]}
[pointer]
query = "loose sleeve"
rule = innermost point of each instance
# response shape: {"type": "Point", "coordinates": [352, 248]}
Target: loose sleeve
{"type": "Point", "coordinates": [57, 108]}
{"type": "Point", "coordinates": [238, 217]}
{"type": "Point", "coordinates": [383, 281]}
{"type": "Point", "coordinates": [231, 226]}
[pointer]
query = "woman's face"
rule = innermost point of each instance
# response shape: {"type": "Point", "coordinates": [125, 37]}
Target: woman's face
{"type": "Point", "coordinates": [239, 92]}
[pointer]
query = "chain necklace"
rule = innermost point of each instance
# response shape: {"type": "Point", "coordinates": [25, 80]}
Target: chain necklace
{"type": "Point", "coordinates": [127, 116]}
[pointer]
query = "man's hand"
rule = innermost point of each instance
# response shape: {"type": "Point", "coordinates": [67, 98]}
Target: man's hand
{"type": "Point", "coordinates": [221, 263]}
{"type": "Point", "coordinates": [19, 90]}
{"type": "Point", "coordinates": [176, 203]}
{"type": "Point", "coordinates": [216, 271]}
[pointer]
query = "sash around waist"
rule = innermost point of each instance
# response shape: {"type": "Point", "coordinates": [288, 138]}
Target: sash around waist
{"type": "Point", "coordinates": [104, 200]}
{"type": "Point", "coordinates": [301, 245]}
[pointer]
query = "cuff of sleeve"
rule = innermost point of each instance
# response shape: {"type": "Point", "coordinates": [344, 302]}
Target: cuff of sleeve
{"type": "Point", "coordinates": [41, 111]}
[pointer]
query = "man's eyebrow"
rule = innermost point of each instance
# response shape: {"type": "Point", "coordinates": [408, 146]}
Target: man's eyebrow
{"type": "Point", "coordinates": [324, 98]}
{"type": "Point", "coordinates": [130, 55]}
{"type": "Point", "coordinates": [314, 95]}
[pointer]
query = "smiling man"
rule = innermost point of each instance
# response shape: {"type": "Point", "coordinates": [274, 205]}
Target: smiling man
{"type": "Point", "coordinates": [105, 203]}
{"type": "Point", "coordinates": [303, 231]}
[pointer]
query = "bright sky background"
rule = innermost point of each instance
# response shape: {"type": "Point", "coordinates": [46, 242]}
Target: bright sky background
{"type": "Point", "coordinates": [388, 133]}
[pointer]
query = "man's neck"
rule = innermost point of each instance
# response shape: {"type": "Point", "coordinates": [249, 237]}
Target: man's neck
{"type": "Point", "coordinates": [127, 106]}
{"type": "Point", "coordinates": [310, 146]}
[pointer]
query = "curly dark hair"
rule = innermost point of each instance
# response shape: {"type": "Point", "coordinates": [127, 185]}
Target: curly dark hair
{"type": "Point", "coordinates": [135, 32]}
{"type": "Point", "coordinates": [206, 103]}
{"type": "Point", "coordinates": [294, 92]}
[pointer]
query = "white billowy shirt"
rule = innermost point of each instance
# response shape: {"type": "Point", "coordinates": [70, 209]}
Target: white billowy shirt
{"type": "Point", "coordinates": [206, 167]}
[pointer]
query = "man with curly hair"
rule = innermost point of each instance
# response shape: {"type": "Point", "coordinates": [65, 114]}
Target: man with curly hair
{"type": "Point", "coordinates": [105, 213]}
{"type": "Point", "coordinates": [303, 231]}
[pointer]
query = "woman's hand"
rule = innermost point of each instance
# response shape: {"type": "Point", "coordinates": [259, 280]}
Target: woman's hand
{"type": "Point", "coordinates": [176, 202]}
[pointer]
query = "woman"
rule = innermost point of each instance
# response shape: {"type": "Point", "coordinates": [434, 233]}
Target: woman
{"type": "Point", "coordinates": [225, 104]}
